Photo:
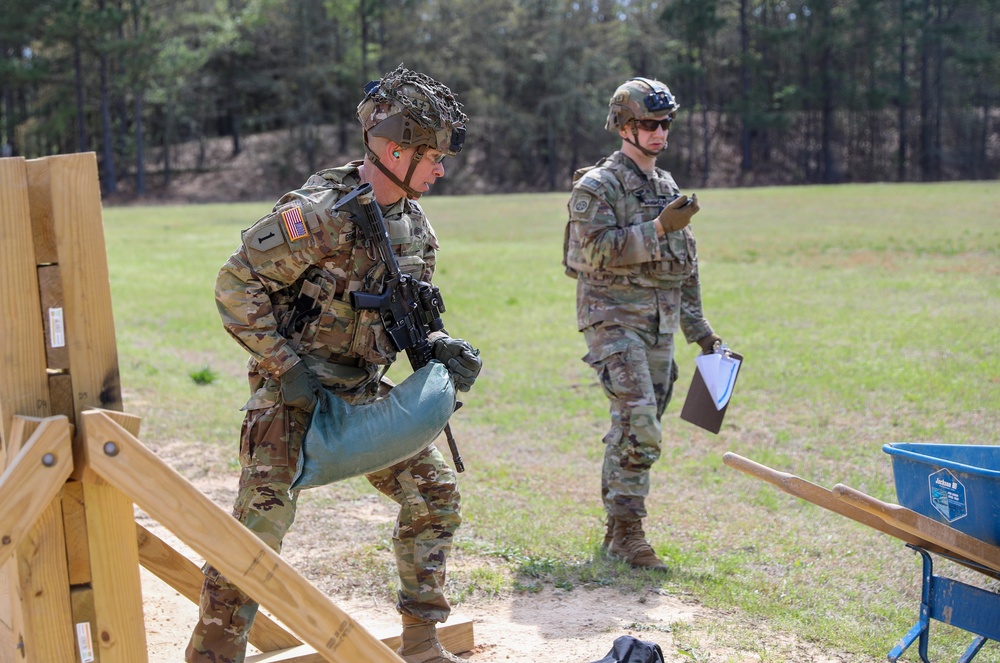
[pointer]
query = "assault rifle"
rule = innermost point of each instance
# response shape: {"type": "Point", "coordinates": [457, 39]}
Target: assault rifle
{"type": "Point", "coordinates": [410, 309]}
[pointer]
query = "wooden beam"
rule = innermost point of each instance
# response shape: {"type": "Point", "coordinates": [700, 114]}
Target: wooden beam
{"type": "Point", "coordinates": [114, 570]}
{"type": "Point", "coordinates": [184, 576]}
{"type": "Point", "coordinates": [24, 387]}
{"type": "Point", "coordinates": [457, 637]}
{"type": "Point", "coordinates": [10, 615]}
{"type": "Point", "coordinates": [266, 635]}
{"type": "Point", "coordinates": [75, 528]}
{"type": "Point", "coordinates": [215, 535]}
{"type": "Point", "coordinates": [113, 554]}
{"type": "Point", "coordinates": [74, 201]}
{"type": "Point", "coordinates": [41, 559]}
{"type": "Point", "coordinates": [32, 480]}
{"type": "Point", "coordinates": [31, 527]}
{"type": "Point", "coordinates": [50, 294]}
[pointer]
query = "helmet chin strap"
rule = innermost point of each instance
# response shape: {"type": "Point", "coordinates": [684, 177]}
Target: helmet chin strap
{"type": "Point", "coordinates": [405, 186]}
{"type": "Point", "coordinates": [648, 153]}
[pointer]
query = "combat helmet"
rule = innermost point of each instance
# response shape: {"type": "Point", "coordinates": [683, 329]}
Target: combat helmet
{"type": "Point", "coordinates": [639, 99]}
{"type": "Point", "coordinates": [412, 110]}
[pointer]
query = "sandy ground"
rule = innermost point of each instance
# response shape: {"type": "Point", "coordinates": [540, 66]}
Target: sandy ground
{"type": "Point", "coordinates": [550, 626]}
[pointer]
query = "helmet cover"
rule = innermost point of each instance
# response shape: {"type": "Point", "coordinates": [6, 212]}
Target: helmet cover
{"type": "Point", "coordinates": [639, 99]}
{"type": "Point", "coordinates": [413, 110]}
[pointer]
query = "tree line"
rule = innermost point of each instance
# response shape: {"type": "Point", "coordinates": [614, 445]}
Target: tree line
{"type": "Point", "coordinates": [771, 91]}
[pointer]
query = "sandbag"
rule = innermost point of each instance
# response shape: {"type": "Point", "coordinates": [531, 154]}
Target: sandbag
{"type": "Point", "coordinates": [628, 649]}
{"type": "Point", "coordinates": [346, 441]}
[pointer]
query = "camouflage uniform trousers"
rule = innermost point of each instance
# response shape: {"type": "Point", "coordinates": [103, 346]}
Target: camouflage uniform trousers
{"type": "Point", "coordinates": [424, 486]}
{"type": "Point", "coordinates": [637, 372]}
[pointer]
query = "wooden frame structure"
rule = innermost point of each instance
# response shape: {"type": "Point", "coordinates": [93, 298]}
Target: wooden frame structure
{"type": "Point", "coordinates": [72, 466]}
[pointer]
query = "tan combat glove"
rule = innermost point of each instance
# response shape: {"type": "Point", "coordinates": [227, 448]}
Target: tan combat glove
{"type": "Point", "coordinates": [678, 213]}
{"type": "Point", "coordinates": [709, 343]}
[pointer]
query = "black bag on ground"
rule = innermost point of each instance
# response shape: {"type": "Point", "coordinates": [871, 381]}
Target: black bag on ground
{"type": "Point", "coordinates": [628, 649]}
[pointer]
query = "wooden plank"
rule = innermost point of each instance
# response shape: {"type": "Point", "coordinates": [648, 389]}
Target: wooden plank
{"type": "Point", "coordinates": [29, 485]}
{"type": "Point", "coordinates": [85, 623]}
{"type": "Point", "coordinates": [11, 623]}
{"type": "Point", "coordinates": [949, 538]}
{"type": "Point", "coordinates": [41, 558]}
{"type": "Point", "coordinates": [40, 199]}
{"type": "Point", "coordinates": [38, 570]}
{"type": "Point", "coordinates": [186, 577]}
{"type": "Point", "coordinates": [113, 554]}
{"type": "Point", "coordinates": [75, 527]}
{"type": "Point", "coordinates": [456, 637]}
{"type": "Point", "coordinates": [79, 233]}
{"type": "Point", "coordinates": [10, 614]}
{"type": "Point", "coordinates": [266, 635]}
{"type": "Point", "coordinates": [114, 568]}
{"type": "Point", "coordinates": [61, 395]}
{"type": "Point", "coordinates": [50, 294]}
{"type": "Point", "coordinates": [228, 545]}
{"type": "Point", "coordinates": [21, 430]}
{"type": "Point", "coordinates": [24, 388]}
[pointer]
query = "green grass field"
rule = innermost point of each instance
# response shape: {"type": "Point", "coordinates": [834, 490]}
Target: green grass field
{"type": "Point", "coordinates": [866, 314]}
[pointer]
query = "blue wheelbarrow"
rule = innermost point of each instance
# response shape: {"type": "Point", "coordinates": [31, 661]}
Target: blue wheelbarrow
{"type": "Point", "coordinates": [958, 486]}
{"type": "Point", "coordinates": [950, 496]}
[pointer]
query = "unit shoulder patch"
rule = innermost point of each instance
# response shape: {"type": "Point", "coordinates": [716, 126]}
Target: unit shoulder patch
{"type": "Point", "coordinates": [582, 205]}
{"type": "Point", "coordinates": [265, 236]}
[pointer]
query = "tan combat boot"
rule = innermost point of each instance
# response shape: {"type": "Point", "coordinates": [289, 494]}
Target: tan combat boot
{"type": "Point", "coordinates": [609, 534]}
{"type": "Point", "coordinates": [629, 543]}
{"type": "Point", "coordinates": [419, 643]}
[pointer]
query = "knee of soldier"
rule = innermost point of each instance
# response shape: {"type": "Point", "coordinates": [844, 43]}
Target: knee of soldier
{"type": "Point", "coordinates": [446, 505]}
{"type": "Point", "coordinates": [642, 447]}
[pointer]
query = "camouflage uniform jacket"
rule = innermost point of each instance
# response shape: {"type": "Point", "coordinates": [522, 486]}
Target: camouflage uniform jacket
{"type": "Point", "coordinates": [625, 273]}
{"type": "Point", "coordinates": [284, 295]}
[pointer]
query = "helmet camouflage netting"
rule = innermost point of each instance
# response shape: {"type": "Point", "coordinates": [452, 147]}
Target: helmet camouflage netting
{"type": "Point", "coordinates": [413, 110]}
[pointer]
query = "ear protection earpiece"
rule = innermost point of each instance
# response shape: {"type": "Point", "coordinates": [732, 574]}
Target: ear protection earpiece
{"type": "Point", "coordinates": [395, 153]}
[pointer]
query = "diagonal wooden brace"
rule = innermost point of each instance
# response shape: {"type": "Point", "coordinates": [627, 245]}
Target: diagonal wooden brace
{"type": "Point", "coordinates": [34, 477]}
{"type": "Point", "coordinates": [123, 461]}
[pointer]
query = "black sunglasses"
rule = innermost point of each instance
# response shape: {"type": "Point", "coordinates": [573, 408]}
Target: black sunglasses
{"type": "Point", "coordinates": [652, 125]}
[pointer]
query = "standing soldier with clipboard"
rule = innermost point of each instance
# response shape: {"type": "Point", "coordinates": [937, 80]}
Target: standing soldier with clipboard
{"type": "Point", "coordinates": [630, 246]}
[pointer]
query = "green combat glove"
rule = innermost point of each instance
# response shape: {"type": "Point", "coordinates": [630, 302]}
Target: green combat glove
{"type": "Point", "coordinates": [299, 387]}
{"type": "Point", "coordinates": [709, 343]}
{"type": "Point", "coordinates": [678, 213]}
{"type": "Point", "coordinates": [461, 359]}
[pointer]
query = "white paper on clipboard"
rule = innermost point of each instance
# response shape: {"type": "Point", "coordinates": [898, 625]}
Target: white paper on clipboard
{"type": "Point", "coordinates": [719, 371]}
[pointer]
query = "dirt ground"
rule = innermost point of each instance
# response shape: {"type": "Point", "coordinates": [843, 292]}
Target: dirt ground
{"type": "Point", "coordinates": [550, 626]}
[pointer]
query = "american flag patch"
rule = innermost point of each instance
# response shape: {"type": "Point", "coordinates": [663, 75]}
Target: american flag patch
{"type": "Point", "coordinates": [294, 222]}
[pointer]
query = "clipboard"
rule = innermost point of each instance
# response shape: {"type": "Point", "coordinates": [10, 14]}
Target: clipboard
{"type": "Point", "coordinates": [699, 406]}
